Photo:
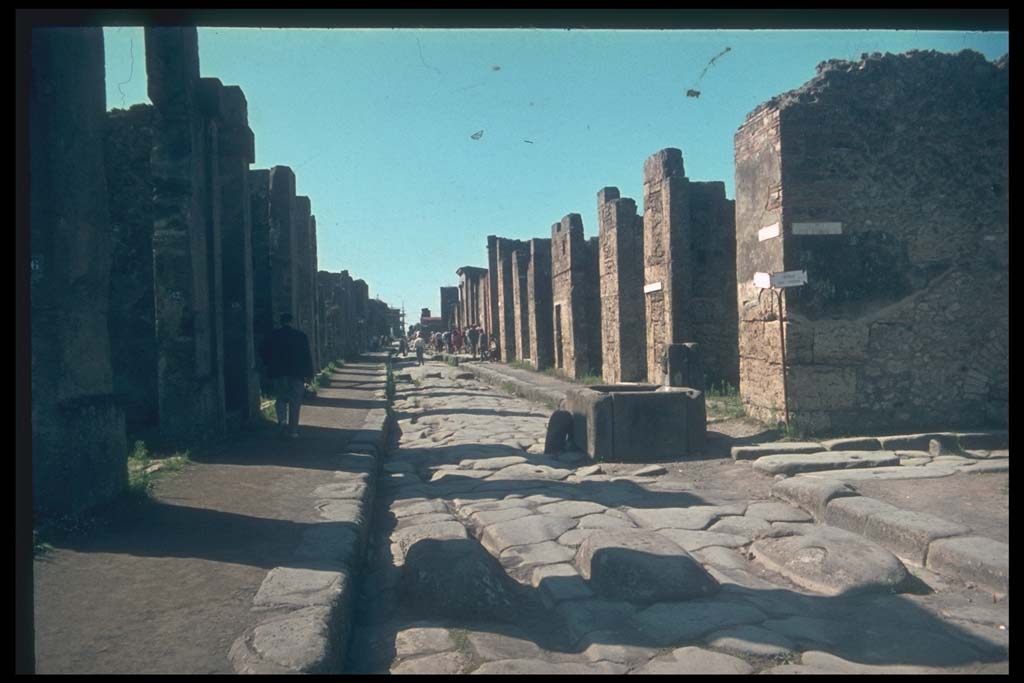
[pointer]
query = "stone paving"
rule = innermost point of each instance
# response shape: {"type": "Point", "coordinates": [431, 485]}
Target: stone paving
{"type": "Point", "coordinates": [491, 557]}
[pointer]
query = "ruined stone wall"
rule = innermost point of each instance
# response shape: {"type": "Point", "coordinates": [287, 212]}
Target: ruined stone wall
{"type": "Point", "coordinates": [472, 282]}
{"type": "Point", "coordinates": [574, 299]}
{"type": "Point", "coordinates": [262, 279]}
{"type": "Point", "coordinates": [666, 251]}
{"type": "Point", "coordinates": [592, 302]}
{"type": "Point", "coordinates": [449, 302]}
{"type": "Point", "coordinates": [346, 302]}
{"type": "Point", "coordinates": [538, 292]}
{"type": "Point", "coordinates": [506, 320]}
{"type": "Point", "coordinates": [186, 238]}
{"type": "Point", "coordinates": [317, 340]}
{"type": "Point", "coordinates": [303, 272]}
{"type": "Point", "coordinates": [520, 300]}
{"type": "Point", "coordinates": [327, 285]}
{"type": "Point", "coordinates": [361, 313]}
{"type": "Point", "coordinates": [484, 302]}
{"type": "Point", "coordinates": [237, 151]}
{"type": "Point", "coordinates": [491, 309]}
{"type": "Point", "coordinates": [78, 430]}
{"type": "Point", "coordinates": [127, 147]}
{"type": "Point", "coordinates": [282, 243]}
{"type": "Point", "coordinates": [621, 265]}
{"type": "Point", "coordinates": [711, 318]}
{"type": "Point", "coordinates": [888, 179]}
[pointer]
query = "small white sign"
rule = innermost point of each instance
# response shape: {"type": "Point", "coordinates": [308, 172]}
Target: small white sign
{"type": "Point", "coordinates": [817, 228]}
{"type": "Point", "coordinates": [789, 278]}
{"type": "Point", "coordinates": [768, 232]}
{"type": "Point", "coordinates": [656, 287]}
{"type": "Point", "coordinates": [763, 280]}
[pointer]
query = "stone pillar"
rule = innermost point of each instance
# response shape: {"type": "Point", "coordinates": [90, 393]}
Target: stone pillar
{"type": "Point", "coordinates": [538, 287]}
{"type": "Point", "coordinates": [303, 273]}
{"type": "Point", "coordinates": [574, 295]}
{"type": "Point", "coordinates": [127, 150]}
{"type": "Point", "coordinates": [282, 243]}
{"type": "Point", "coordinates": [262, 279]}
{"type": "Point", "coordinates": [186, 263]}
{"type": "Point", "coordinates": [506, 308]}
{"type": "Point", "coordinates": [491, 310]}
{"type": "Point", "coordinates": [520, 300]}
{"type": "Point", "coordinates": [361, 311]}
{"type": "Point", "coordinates": [78, 429]}
{"type": "Point", "coordinates": [621, 263]}
{"type": "Point", "coordinates": [320, 360]}
{"type": "Point", "coordinates": [237, 151]}
{"type": "Point", "coordinates": [449, 300]}
{"type": "Point", "coordinates": [666, 251]}
{"type": "Point", "coordinates": [346, 301]}
{"type": "Point", "coordinates": [328, 290]}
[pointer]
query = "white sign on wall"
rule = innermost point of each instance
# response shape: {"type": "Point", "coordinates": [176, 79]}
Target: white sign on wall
{"type": "Point", "coordinates": [763, 280]}
{"type": "Point", "coordinates": [817, 228]}
{"type": "Point", "coordinates": [788, 278]}
{"type": "Point", "coordinates": [768, 232]}
{"type": "Point", "coordinates": [655, 287]}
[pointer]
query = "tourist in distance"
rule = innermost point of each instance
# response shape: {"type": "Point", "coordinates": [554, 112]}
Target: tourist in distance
{"type": "Point", "coordinates": [473, 335]}
{"type": "Point", "coordinates": [419, 346]}
{"type": "Point", "coordinates": [285, 354]}
{"type": "Point", "coordinates": [484, 344]}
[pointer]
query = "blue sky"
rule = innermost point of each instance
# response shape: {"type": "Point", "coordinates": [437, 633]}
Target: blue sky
{"type": "Point", "coordinates": [378, 124]}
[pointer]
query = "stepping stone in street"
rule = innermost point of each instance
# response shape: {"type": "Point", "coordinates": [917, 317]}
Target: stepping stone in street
{"type": "Point", "coordinates": [546, 552]}
{"type": "Point", "coordinates": [641, 566]}
{"type": "Point", "coordinates": [827, 460]}
{"type": "Point", "coordinates": [558, 583]}
{"type": "Point", "coordinates": [530, 472]}
{"type": "Point", "coordinates": [695, 660]}
{"type": "Point", "coordinates": [832, 562]}
{"type": "Point", "coordinates": [524, 531]}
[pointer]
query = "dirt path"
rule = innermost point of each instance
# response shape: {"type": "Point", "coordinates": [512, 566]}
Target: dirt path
{"type": "Point", "coordinates": [170, 588]}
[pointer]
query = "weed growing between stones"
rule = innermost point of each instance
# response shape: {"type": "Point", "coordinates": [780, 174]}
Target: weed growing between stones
{"type": "Point", "coordinates": [723, 400]}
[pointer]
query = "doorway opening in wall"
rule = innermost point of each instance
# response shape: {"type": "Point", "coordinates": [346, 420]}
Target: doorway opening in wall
{"type": "Point", "coordinates": [558, 336]}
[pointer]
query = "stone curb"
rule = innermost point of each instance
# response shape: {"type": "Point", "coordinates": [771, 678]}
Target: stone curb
{"type": "Point", "coordinates": [549, 397]}
{"type": "Point", "coordinates": [918, 538]}
{"type": "Point", "coordinates": [308, 611]}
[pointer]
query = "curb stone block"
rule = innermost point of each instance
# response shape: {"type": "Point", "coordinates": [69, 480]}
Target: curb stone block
{"type": "Point", "coordinates": [857, 443]}
{"type": "Point", "coordinates": [918, 442]}
{"type": "Point", "coordinates": [852, 513]}
{"type": "Point", "coordinates": [973, 559]}
{"type": "Point", "coordinates": [290, 587]}
{"type": "Point", "coordinates": [987, 441]}
{"type": "Point", "coordinates": [754, 452]}
{"type": "Point", "coordinates": [908, 534]}
{"type": "Point", "coordinates": [811, 494]}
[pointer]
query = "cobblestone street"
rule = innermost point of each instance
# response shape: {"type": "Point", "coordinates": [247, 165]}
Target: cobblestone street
{"type": "Point", "coordinates": [489, 557]}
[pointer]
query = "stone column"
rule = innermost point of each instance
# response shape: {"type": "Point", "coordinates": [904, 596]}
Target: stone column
{"type": "Point", "coordinates": [666, 250]}
{"type": "Point", "coordinates": [574, 295]}
{"type": "Point", "coordinates": [237, 151]}
{"type": "Point", "coordinates": [520, 300]}
{"type": "Point", "coordinates": [303, 274]}
{"type": "Point", "coordinates": [506, 308]}
{"type": "Point", "coordinates": [282, 243]}
{"type": "Point", "coordinates": [621, 265]}
{"type": "Point", "coordinates": [262, 280]}
{"type": "Point", "coordinates": [128, 146]}
{"type": "Point", "coordinates": [78, 429]}
{"type": "Point", "coordinates": [538, 287]}
{"type": "Point", "coordinates": [361, 311]}
{"type": "Point", "coordinates": [186, 265]}
{"type": "Point", "coordinates": [320, 360]}
{"type": "Point", "coordinates": [491, 311]}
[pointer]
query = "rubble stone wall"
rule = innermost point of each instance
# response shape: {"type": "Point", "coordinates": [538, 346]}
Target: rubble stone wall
{"type": "Point", "coordinates": [572, 287]}
{"type": "Point", "coordinates": [623, 348]}
{"type": "Point", "coordinates": [889, 179]}
{"type": "Point", "coordinates": [538, 292]}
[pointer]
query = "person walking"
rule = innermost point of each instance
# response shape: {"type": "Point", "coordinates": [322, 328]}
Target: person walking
{"type": "Point", "coordinates": [403, 348]}
{"type": "Point", "coordinates": [484, 345]}
{"type": "Point", "coordinates": [286, 355]}
{"type": "Point", "coordinates": [473, 335]}
{"type": "Point", "coordinates": [419, 346]}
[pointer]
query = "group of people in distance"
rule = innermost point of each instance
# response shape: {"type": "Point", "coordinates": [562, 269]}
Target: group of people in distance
{"type": "Point", "coordinates": [475, 340]}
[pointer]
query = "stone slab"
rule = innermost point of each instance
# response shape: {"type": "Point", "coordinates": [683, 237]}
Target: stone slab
{"type": "Point", "coordinates": [587, 616]}
{"type": "Point", "coordinates": [641, 566]}
{"type": "Point", "coordinates": [441, 663]}
{"type": "Point", "coordinates": [854, 443]}
{"type": "Point", "coordinates": [926, 471]}
{"type": "Point", "coordinates": [487, 517]}
{"type": "Point", "coordinates": [571, 508]}
{"type": "Point", "coordinates": [777, 512]}
{"type": "Point", "coordinates": [811, 494]}
{"type": "Point", "coordinates": [828, 460]}
{"type": "Point", "coordinates": [989, 467]}
{"type": "Point", "coordinates": [331, 543]}
{"type": "Point", "coordinates": [832, 562]}
{"type": "Point", "coordinates": [695, 660]}
{"type": "Point", "coordinates": [908, 534]}
{"type": "Point", "coordinates": [697, 540]}
{"type": "Point", "coordinates": [605, 521]}
{"type": "Point", "coordinates": [695, 518]}
{"type": "Point", "coordinates": [852, 513]}
{"type": "Point", "coordinates": [804, 629]}
{"type": "Point", "coordinates": [524, 531]}
{"type": "Point", "coordinates": [441, 531]}
{"type": "Point", "coordinates": [677, 623]}
{"type": "Point", "coordinates": [493, 463]}
{"type": "Point", "coordinates": [406, 509]}
{"type": "Point", "coordinates": [546, 552]}
{"type": "Point", "coordinates": [541, 667]}
{"type": "Point", "coordinates": [290, 587]}
{"type": "Point", "coordinates": [750, 527]}
{"type": "Point", "coordinates": [751, 641]}
{"type": "Point", "coordinates": [529, 472]}
{"type": "Point", "coordinates": [558, 583]}
{"type": "Point", "coordinates": [422, 640]}
{"type": "Point", "coordinates": [498, 646]}
{"type": "Point", "coordinates": [297, 642]}
{"type": "Point", "coordinates": [988, 440]}
{"type": "Point", "coordinates": [760, 450]}
{"type": "Point", "coordinates": [918, 442]}
{"type": "Point", "coordinates": [973, 559]}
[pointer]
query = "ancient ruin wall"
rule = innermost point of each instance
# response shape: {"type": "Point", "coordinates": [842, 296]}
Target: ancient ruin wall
{"type": "Point", "coordinates": [303, 271]}
{"type": "Point", "coordinates": [666, 252]}
{"type": "Point", "coordinates": [491, 310]}
{"type": "Point", "coordinates": [520, 301]}
{"type": "Point", "coordinates": [128, 145]}
{"type": "Point", "coordinates": [186, 259]}
{"type": "Point", "coordinates": [78, 430]}
{"type": "Point", "coordinates": [283, 268]}
{"type": "Point", "coordinates": [506, 326]}
{"type": "Point", "coordinates": [317, 340]}
{"type": "Point", "coordinates": [711, 318]}
{"type": "Point", "coordinates": [538, 288]}
{"type": "Point", "coordinates": [449, 302]}
{"type": "Point", "coordinates": [571, 287]}
{"type": "Point", "coordinates": [361, 313]}
{"type": "Point", "coordinates": [623, 347]}
{"type": "Point", "coordinates": [262, 280]}
{"type": "Point", "coordinates": [889, 179]}
{"type": "Point", "coordinates": [237, 150]}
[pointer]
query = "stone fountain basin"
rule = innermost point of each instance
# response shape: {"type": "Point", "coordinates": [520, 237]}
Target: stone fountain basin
{"type": "Point", "coordinates": [637, 422]}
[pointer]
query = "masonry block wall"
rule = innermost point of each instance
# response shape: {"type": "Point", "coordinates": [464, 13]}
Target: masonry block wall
{"type": "Point", "coordinates": [471, 281]}
{"type": "Point", "coordinates": [449, 302]}
{"type": "Point", "coordinates": [361, 313]}
{"type": "Point", "coordinates": [262, 280]}
{"type": "Point", "coordinates": [689, 233]}
{"type": "Point", "coordinates": [520, 300]}
{"type": "Point", "coordinates": [491, 310]}
{"type": "Point", "coordinates": [506, 320]}
{"type": "Point", "coordinates": [283, 267]}
{"type": "Point", "coordinates": [78, 430]}
{"type": "Point", "coordinates": [484, 300]}
{"type": "Point", "coordinates": [538, 292]}
{"type": "Point", "coordinates": [887, 180]}
{"type": "Point", "coordinates": [621, 265]}
{"type": "Point", "coordinates": [303, 273]}
{"type": "Point", "coordinates": [236, 151]}
{"type": "Point", "coordinates": [320, 360]}
{"type": "Point", "coordinates": [186, 263]}
{"type": "Point", "coordinates": [574, 297]}
{"type": "Point", "coordinates": [128, 145]}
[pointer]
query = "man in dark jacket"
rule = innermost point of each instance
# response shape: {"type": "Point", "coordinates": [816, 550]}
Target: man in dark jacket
{"type": "Point", "coordinates": [285, 353]}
